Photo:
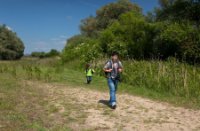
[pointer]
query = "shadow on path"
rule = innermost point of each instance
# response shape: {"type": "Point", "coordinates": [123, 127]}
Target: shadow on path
{"type": "Point", "coordinates": [105, 102]}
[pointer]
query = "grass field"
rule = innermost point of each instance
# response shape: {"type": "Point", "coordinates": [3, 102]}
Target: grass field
{"type": "Point", "coordinates": [25, 107]}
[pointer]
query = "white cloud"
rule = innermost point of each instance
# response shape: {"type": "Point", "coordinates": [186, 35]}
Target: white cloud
{"type": "Point", "coordinates": [57, 43]}
{"type": "Point", "coordinates": [63, 36]}
{"type": "Point", "coordinates": [9, 28]}
{"type": "Point", "coordinates": [54, 39]}
{"type": "Point", "coordinates": [60, 40]}
{"type": "Point", "coordinates": [41, 46]}
{"type": "Point", "coordinates": [63, 42]}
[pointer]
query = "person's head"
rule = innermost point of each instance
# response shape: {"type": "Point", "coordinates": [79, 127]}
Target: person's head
{"type": "Point", "coordinates": [87, 66]}
{"type": "Point", "coordinates": [115, 56]}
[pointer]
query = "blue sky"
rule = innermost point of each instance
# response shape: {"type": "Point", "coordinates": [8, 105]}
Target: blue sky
{"type": "Point", "coordinates": [46, 24]}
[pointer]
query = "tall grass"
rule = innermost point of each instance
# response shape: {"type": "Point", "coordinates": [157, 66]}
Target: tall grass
{"type": "Point", "coordinates": [170, 78]}
{"type": "Point", "coordinates": [166, 77]}
{"type": "Point", "coordinates": [32, 69]}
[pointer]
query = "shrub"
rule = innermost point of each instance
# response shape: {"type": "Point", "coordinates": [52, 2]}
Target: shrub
{"type": "Point", "coordinates": [11, 46]}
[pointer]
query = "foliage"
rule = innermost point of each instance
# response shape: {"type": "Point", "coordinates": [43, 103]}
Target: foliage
{"type": "Point", "coordinates": [11, 47]}
{"type": "Point", "coordinates": [51, 53]}
{"type": "Point", "coordinates": [87, 50]}
{"type": "Point", "coordinates": [38, 54]}
{"type": "Point", "coordinates": [166, 77]}
{"type": "Point", "coordinates": [75, 41]}
{"type": "Point", "coordinates": [105, 16]}
{"type": "Point", "coordinates": [111, 12]}
{"type": "Point", "coordinates": [129, 36]}
{"type": "Point", "coordinates": [88, 26]}
{"type": "Point", "coordinates": [120, 26]}
{"type": "Point", "coordinates": [180, 40]}
{"type": "Point", "coordinates": [179, 10]}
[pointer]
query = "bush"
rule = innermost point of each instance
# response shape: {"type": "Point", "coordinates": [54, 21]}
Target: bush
{"type": "Point", "coordinates": [38, 54]}
{"type": "Point", "coordinates": [51, 53]}
{"type": "Point", "coordinates": [86, 51]}
{"type": "Point", "coordinates": [11, 47]}
{"type": "Point", "coordinates": [178, 40]}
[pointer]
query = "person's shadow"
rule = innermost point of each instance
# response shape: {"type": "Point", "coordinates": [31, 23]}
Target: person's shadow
{"type": "Point", "coordinates": [105, 102]}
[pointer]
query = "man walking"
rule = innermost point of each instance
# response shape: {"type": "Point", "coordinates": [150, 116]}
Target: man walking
{"type": "Point", "coordinates": [112, 69]}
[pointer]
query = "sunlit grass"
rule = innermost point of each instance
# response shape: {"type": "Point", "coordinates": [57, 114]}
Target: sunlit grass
{"type": "Point", "coordinates": [167, 81]}
{"type": "Point", "coordinates": [171, 81]}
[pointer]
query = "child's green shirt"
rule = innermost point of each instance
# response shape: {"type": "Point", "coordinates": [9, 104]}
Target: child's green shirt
{"type": "Point", "coordinates": [89, 72]}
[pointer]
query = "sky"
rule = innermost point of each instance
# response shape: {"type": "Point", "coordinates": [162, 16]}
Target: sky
{"type": "Point", "coordinates": [47, 24]}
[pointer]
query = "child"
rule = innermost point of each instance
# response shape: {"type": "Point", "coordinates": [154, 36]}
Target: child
{"type": "Point", "coordinates": [89, 72]}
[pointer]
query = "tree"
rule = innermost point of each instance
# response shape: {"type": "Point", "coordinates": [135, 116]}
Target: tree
{"type": "Point", "coordinates": [88, 26]}
{"type": "Point", "coordinates": [178, 40]}
{"type": "Point", "coordinates": [75, 41]}
{"type": "Point", "coordinates": [105, 16]}
{"type": "Point", "coordinates": [179, 10]}
{"type": "Point", "coordinates": [52, 53]}
{"type": "Point", "coordinates": [166, 3]}
{"type": "Point", "coordinates": [38, 54]}
{"type": "Point", "coordinates": [111, 12]}
{"type": "Point", "coordinates": [11, 46]}
{"type": "Point", "coordinates": [129, 36]}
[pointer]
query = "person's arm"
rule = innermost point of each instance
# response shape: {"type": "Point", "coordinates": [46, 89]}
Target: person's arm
{"type": "Point", "coordinates": [93, 71]}
{"type": "Point", "coordinates": [120, 69]}
{"type": "Point", "coordinates": [106, 68]}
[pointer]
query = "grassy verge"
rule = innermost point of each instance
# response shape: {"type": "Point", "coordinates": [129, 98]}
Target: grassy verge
{"type": "Point", "coordinates": [15, 111]}
{"type": "Point", "coordinates": [51, 71]}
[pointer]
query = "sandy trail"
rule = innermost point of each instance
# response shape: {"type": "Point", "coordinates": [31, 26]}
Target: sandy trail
{"type": "Point", "coordinates": [133, 113]}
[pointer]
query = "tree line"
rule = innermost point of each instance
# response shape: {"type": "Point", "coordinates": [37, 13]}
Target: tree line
{"type": "Point", "coordinates": [170, 30]}
{"type": "Point", "coordinates": [51, 53]}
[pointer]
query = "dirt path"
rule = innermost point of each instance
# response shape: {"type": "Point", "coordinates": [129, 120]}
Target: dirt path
{"type": "Point", "coordinates": [83, 109]}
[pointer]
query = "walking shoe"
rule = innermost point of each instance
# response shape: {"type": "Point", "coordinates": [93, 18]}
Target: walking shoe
{"type": "Point", "coordinates": [114, 106]}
